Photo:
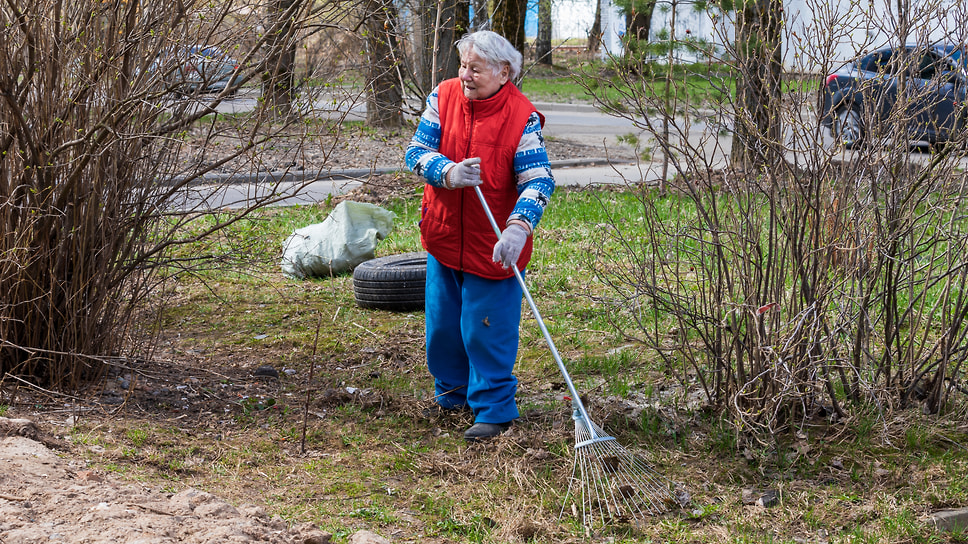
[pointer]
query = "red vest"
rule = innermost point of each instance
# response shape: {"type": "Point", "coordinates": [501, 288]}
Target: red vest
{"type": "Point", "coordinates": [453, 226]}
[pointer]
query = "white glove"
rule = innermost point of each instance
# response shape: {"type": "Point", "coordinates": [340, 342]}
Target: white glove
{"type": "Point", "coordinates": [508, 248]}
{"type": "Point", "coordinates": [465, 174]}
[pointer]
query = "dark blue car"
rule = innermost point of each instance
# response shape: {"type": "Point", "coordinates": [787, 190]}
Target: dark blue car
{"type": "Point", "coordinates": [919, 89]}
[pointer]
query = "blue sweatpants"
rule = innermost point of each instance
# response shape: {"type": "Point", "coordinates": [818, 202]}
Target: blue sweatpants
{"type": "Point", "coordinates": [472, 341]}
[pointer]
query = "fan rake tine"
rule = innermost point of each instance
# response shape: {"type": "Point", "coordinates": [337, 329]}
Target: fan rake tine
{"type": "Point", "coordinates": [612, 482]}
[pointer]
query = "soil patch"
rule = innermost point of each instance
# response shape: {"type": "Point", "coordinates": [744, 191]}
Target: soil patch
{"type": "Point", "coordinates": [48, 496]}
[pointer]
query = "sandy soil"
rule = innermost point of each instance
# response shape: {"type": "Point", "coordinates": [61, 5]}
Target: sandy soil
{"type": "Point", "coordinates": [48, 496]}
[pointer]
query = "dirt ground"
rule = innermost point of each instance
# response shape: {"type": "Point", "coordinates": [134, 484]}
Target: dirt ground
{"type": "Point", "coordinates": [49, 488]}
{"type": "Point", "coordinates": [48, 495]}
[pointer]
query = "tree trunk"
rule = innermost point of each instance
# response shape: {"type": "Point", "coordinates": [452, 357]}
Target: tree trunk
{"type": "Point", "coordinates": [509, 21]}
{"type": "Point", "coordinates": [441, 25]}
{"type": "Point", "coordinates": [454, 23]}
{"type": "Point", "coordinates": [638, 21]}
{"type": "Point", "coordinates": [542, 45]}
{"type": "Point", "coordinates": [384, 103]}
{"type": "Point", "coordinates": [595, 32]}
{"type": "Point", "coordinates": [278, 82]}
{"type": "Point", "coordinates": [758, 128]}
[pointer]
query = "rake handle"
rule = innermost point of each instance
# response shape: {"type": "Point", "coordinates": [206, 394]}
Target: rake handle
{"type": "Point", "coordinates": [576, 399]}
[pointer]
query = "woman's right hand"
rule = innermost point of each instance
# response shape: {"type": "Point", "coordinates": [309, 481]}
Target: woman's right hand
{"type": "Point", "coordinates": [464, 174]}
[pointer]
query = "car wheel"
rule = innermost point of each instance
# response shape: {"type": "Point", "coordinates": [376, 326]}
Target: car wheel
{"type": "Point", "coordinates": [847, 127]}
{"type": "Point", "coordinates": [394, 283]}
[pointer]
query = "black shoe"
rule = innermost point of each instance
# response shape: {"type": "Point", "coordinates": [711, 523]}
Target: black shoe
{"type": "Point", "coordinates": [483, 431]}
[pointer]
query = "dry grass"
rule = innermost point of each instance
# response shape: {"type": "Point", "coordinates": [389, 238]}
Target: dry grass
{"type": "Point", "coordinates": [194, 413]}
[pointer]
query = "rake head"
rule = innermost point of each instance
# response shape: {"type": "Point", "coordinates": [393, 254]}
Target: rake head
{"type": "Point", "coordinates": [613, 484]}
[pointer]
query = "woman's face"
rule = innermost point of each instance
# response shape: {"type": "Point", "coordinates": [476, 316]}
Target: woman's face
{"type": "Point", "coordinates": [478, 77]}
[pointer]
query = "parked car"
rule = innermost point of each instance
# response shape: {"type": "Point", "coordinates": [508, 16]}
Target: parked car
{"type": "Point", "coordinates": [197, 68]}
{"type": "Point", "coordinates": [863, 93]}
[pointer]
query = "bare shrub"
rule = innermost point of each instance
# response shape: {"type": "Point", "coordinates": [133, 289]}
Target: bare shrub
{"type": "Point", "coordinates": [819, 281]}
{"type": "Point", "coordinates": [104, 147]}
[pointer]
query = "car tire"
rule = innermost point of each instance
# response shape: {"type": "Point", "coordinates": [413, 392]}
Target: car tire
{"type": "Point", "coordinates": [394, 283]}
{"type": "Point", "coordinates": [847, 127]}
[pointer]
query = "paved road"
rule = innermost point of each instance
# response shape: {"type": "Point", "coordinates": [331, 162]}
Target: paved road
{"type": "Point", "coordinates": [580, 123]}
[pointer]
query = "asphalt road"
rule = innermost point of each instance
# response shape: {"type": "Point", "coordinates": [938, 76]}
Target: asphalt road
{"type": "Point", "coordinates": [582, 123]}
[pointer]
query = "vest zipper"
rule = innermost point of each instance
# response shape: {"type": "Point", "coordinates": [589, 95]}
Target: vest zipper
{"type": "Point", "coordinates": [463, 193]}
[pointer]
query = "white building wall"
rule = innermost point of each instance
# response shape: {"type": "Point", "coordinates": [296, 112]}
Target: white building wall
{"type": "Point", "coordinates": [571, 19]}
{"type": "Point", "coordinates": [574, 18]}
{"type": "Point", "coordinates": [818, 35]}
{"type": "Point", "coordinates": [613, 28]}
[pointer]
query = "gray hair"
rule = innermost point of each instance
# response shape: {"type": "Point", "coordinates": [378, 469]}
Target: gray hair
{"type": "Point", "coordinates": [494, 48]}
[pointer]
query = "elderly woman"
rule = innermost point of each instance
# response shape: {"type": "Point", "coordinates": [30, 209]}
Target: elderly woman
{"type": "Point", "coordinates": [478, 130]}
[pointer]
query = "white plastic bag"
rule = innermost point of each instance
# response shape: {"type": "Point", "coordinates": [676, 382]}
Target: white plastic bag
{"type": "Point", "coordinates": [347, 237]}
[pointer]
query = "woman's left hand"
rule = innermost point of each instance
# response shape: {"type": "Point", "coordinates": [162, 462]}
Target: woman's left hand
{"type": "Point", "coordinates": [508, 248]}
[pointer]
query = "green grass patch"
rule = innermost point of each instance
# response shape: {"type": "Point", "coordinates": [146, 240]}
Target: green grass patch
{"type": "Point", "coordinates": [614, 83]}
{"type": "Point", "coordinates": [373, 461]}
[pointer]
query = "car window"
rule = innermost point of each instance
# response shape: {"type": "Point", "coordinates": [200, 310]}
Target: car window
{"type": "Point", "coordinates": [924, 64]}
{"type": "Point", "coordinates": [879, 63]}
{"type": "Point", "coordinates": [931, 65]}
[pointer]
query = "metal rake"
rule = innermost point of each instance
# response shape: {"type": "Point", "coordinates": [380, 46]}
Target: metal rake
{"type": "Point", "coordinates": [612, 483]}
